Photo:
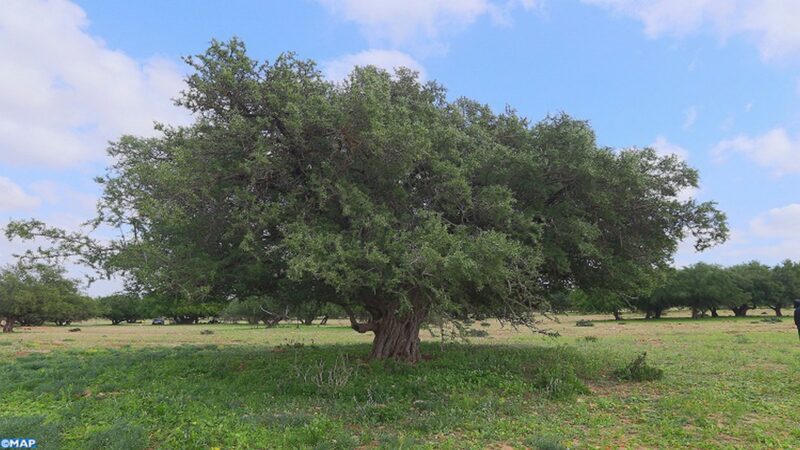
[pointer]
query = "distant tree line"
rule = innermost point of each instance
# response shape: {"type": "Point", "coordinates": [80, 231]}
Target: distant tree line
{"type": "Point", "coordinates": [38, 294]}
{"type": "Point", "coordinates": [703, 288]}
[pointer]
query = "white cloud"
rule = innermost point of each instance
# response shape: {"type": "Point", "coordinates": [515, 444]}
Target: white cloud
{"type": "Point", "coordinates": [664, 148]}
{"type": "Point", "coordinates": [775, 149]}
{"type": "Point", "coordinates": [389, 60]}
{"type": "Point", "coordinates": [64, 93]}
{"type": "Point", "coordinates": [781, 222]}
{"type": "Point", "coordinates": [409, 21]}
{"type": "Point", "coordinates": [771, 237]}
{"type": "Point", "coordinates": [772, 24]}
{"type": "Point", "coordinates": [14, 198]}
{"type": "Point", "coordinates": [689, 117]}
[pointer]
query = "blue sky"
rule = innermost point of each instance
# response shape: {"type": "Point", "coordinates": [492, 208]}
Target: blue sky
{"type": "Point", "coordinates": [715, 81]}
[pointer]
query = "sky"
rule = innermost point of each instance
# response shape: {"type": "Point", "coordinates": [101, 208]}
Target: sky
{"type": "Point", "coordinates": [716, 82]}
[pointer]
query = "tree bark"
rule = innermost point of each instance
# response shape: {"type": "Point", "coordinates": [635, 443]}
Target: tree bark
{"type": "Point", "coordinates": [396, 334]}
{"type": "Point", "coordinates": [617, 315]}
{"type": "Point", "coordinates": [8, 325]}
{"type": "Point", "coordinates": [714, 312]}
{"type": "Point", "coordinates": [397, 337]}
{"type": "Point", "coordinates": [777, 310]}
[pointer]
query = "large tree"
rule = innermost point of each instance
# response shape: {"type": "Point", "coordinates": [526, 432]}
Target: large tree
{"type": "Point", "coordinates": [382, 190]}
{"type": "Point", "coordinates": [787, 277]}
{"type": "Point", "coordinates": [38, 293]}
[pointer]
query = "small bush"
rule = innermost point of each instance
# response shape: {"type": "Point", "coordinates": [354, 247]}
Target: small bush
{"type": "Point", "coordinates": [772, 320]}
{"type": "Point", "coordinates": [590, 338]}
{"type": "Point", "coordinates": [559, 382]}
{"type": "Point", "coordinates": [639, 370]}
{"type": "Point", "coordinates": [485, 324]}
{"type": "Point", "coordinates": [476, 333]}
{"type": "Point", "coordinates": [206, 332]}
{"type": "Point", "coordinates": [544, 443]}
{"type": "Point", "coordinates": [584, 323]}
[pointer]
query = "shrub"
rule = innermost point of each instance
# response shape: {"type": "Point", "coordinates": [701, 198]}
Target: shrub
{"type": "Point", "coordinates": [119, 436]}
{"type": "Point", "coordinates": [639, 370]}
{"type": "Point", "coordinates": [590, 338]}
{"type": "Point", "coordinates": [584, 323]}
{"type": "Point", "coordinates": [476, 333]}
{"type": "Point", "coordinates": [544, 443]}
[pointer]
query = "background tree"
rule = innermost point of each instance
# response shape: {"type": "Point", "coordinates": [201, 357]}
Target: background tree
{"type": "Point", "coordinates": [662, 297]}
{"type": "Point", "coordinates": [383, 191]}
{"type": "Point", "coordinates": [121, 307]}
{"type": "Point", "coordinates": [787, 276]}
{"type": "Point", "coordinates": [600, 301]}
{"type": "Point", "coordinates": [38, 293]}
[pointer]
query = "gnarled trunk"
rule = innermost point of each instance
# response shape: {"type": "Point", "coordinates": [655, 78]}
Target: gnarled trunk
{"type": "Point", "coordinates": [8, 325]}
{"type": "Point", "coordinates": [740, 311]}
{"type": "Point", "coordinates": [777, 310]}
{"type": "Point", "coordinates": [397, 337]}
{"type": "Point", "coordinates": [714, 312]}
{"type": "Point", "coordinates": [617, 315]}
{"type": "Point", "coordinates": [396, 332]}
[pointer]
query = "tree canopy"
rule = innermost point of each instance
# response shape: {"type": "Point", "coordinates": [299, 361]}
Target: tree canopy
{"type": "Point", "coordinates": [34, 294]}
{"type": "Point", "coordinates": [382, 196]}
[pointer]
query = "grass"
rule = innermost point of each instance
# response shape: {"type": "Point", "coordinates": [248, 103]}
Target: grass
{"type": "Point", "coordinates": [726, 383]}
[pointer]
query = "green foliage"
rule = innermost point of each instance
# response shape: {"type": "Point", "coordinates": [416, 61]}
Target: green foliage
{"type": "Point", "coordinates": [120, 308]}
{"type": "Point", "coordinates": [584, 323]}
{"type": "Point", "coordinates": [639, 370]}
{"type": "Point", "coordinates": [39, 293]}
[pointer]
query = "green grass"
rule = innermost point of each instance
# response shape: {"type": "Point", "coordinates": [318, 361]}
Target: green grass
{"type": "Point", "coordinates": [725, 384]}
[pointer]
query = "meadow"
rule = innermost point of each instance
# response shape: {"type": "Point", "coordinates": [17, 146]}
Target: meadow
{"type": "Point", "coordinates": [727, 383]}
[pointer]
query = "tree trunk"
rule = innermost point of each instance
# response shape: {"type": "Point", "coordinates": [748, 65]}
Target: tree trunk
{"type": "Point", "coordinates": [714, 312]}
{"type": "Point", "coordinates": [308, 320]}
{"type": "Point", "coordinates": [695, 313]}
{"type": "Point", "coordinates": [657, 313]}
{"type": "Point", "coordinates": [617, 315]}
{"type": "Point", "coordinates": [740, 311]}
{"type": "Point", "coordinates": [324, 320]}
{"type": "Point", "coordinates": [8, 325]}
{"type": "Point", "coordinates": [397, 337]}
{"type": "Point", "coordinates": [777, 310]}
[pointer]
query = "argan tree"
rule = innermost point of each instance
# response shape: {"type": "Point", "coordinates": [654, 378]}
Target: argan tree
{"type": "Point", "coordinates": [379, 188]}
{"type": "Point", "coordinates": [38, 293]}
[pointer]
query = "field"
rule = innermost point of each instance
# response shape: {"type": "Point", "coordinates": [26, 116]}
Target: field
{"type": "Point", "coordinates": [728, 383]}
